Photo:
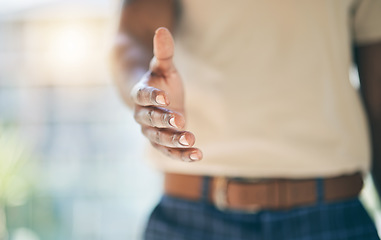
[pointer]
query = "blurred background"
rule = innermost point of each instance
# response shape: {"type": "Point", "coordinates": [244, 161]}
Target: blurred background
{"type": "Point", "coordinates": [70, 153]}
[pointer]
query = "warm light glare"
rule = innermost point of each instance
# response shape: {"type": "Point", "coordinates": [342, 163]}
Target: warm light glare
{"type": "Point", "coordinates": [70, 46]}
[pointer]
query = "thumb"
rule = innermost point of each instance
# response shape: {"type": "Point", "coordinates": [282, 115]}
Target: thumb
{"type": "Point", "coordinates": [163, 49]}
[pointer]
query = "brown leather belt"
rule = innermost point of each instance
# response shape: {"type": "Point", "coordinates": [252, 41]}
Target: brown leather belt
{"type": "Point", "coordinates": [253, 195]}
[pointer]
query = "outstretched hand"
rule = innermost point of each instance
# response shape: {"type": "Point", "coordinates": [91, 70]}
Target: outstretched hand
{"type": "Point", "coordinates": [159, 103]}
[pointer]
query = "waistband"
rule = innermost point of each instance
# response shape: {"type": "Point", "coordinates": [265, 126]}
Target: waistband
{"type": "Point", "coordinates": [251, 195]}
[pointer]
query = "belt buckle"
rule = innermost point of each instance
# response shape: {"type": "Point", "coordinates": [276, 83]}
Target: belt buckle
{"type": "Point", "coordinates": [221, 200]}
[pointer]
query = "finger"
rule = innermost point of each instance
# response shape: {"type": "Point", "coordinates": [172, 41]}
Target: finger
{"type": "Point", "coordinates": [159, 117]}
{"type": "Point", "coordinates": [163, 50]}
{"type": "Point", "coordinates": [168, 137]}
{"type": "Point", "coordinates": [183, 154]}
{"type": "Point", "coordinates": [148, 96]}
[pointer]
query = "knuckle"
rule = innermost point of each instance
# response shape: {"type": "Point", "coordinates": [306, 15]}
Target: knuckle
{"type": "Point", "coordinates": [150, 117]}
{"type": "Point", "coordinates": [139, 93]}
{"type": "Point", "coordinates": [175, 140]}
{"type": "Point", "coordinates": [158, 136]}
{"type": "Point", "coordinates": [151, 95]}
{"type": "Point", "coordinates": [165, 119]}
{"type": "Point", "coordinates": [184, 156]}
{"type": "Point", "coordinates": [144, 95]}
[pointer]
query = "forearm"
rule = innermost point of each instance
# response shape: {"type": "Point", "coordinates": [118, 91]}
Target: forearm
{"type": "Point", "coordinates": [369, 65]}
{"type": "Point", "coordinates": [132, 50]}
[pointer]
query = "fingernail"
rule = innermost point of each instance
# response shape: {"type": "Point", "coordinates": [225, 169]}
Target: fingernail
{"type": "Point", "coordinates": [194, 156]}
{"type": "Point", "coordinates": [183, 141]}
{"type": "Point", "coordinates": [160, 100]}
{"type": "Point", "coordinates": [172, 122]}
{"type": "Point", "coordinates": [159, 29]}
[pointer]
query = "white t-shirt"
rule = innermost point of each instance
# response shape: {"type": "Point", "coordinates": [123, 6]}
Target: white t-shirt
{"type": "Point", "coordinates": [267, 86]}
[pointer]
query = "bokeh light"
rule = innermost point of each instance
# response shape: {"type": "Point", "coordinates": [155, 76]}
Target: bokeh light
{"type": "Point", "coordinates": [69, 46]}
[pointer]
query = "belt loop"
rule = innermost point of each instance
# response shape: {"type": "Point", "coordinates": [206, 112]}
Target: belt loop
{"type": "Point", "coordinates": [320, 190]}
{"type": "Point", "coordinates": [205, 189]}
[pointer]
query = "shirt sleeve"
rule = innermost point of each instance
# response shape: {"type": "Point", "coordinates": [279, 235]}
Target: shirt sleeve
{"type": "Point", "coordinates": [367, 21]}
